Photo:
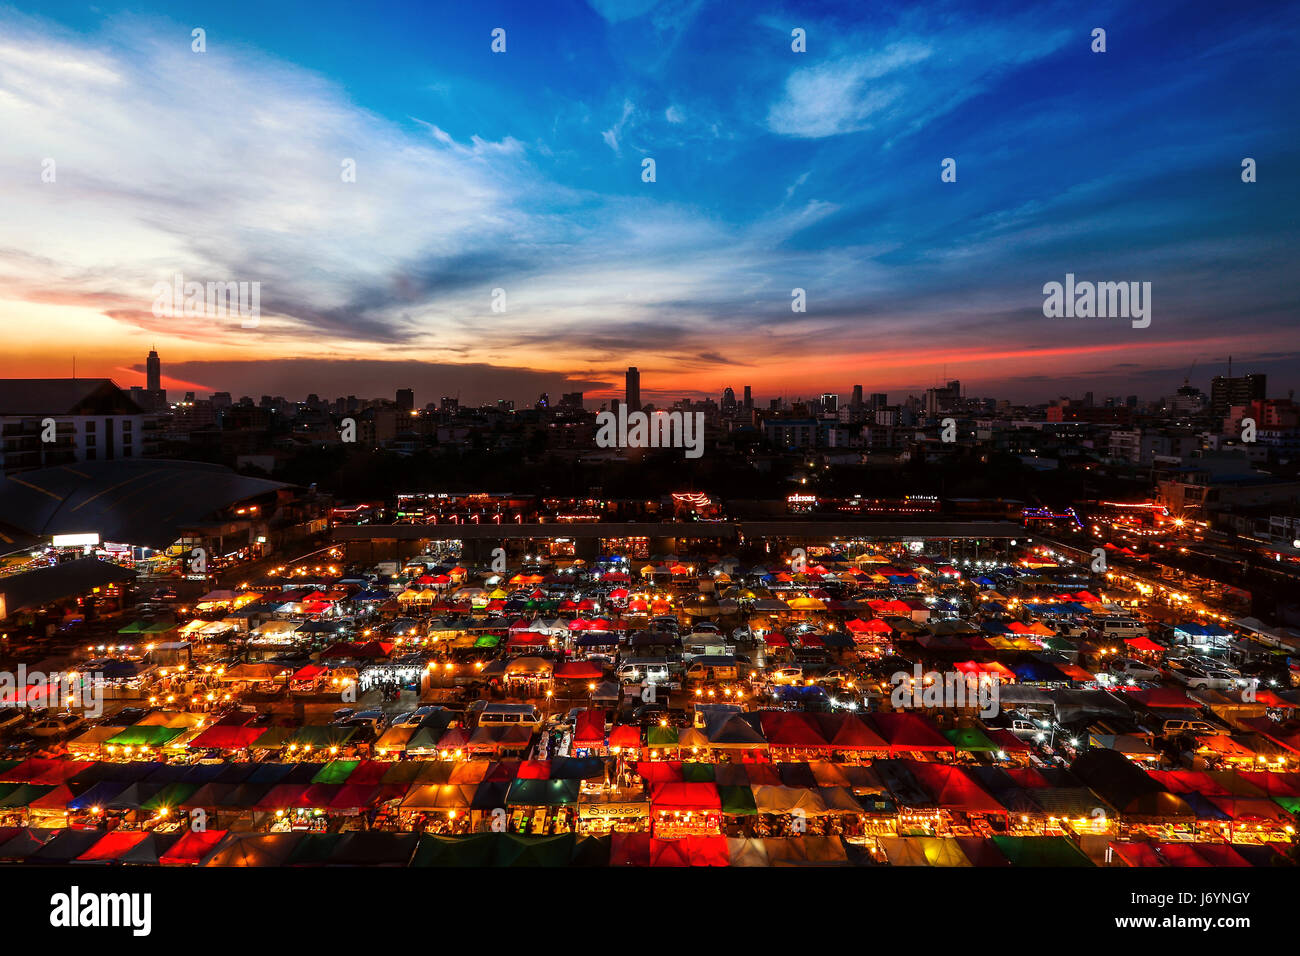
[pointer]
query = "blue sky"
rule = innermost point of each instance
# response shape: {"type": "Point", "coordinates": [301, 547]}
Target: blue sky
{"type": "Point", "coordinates": [775, 170]}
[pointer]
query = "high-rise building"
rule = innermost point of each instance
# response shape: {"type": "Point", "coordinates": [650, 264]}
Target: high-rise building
{"type": "Point", "coordinates": [633, 389]}
{"type": "Point", "coordinates": [879, 400]}
{"type": "Point", "coordinates": [155, 396]}
{"type": "Point", "coordinates": [1226, 391]}
{"type": "Point", "coordinates": [728, 401]}
{"type": "Point", "coordinates": [856, 401]}
{"type": "Point", "coordinates": [405, 400]}
{"type": "Point", "coordinates": [939, 400]}
{"type": "Point", "coordinates": [830, 403]}
{"type": "Point", "coordinates": [749, 398]}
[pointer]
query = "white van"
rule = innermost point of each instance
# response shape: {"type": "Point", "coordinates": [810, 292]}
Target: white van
{"type": "Point", "coordinates": [1120, 628]}
{"type": "Point", "coordinates": [713, 668]}
{"type": "Point", "coordinates": [507, 715]}
{"type": "Point", "coordinates": [637, 670]}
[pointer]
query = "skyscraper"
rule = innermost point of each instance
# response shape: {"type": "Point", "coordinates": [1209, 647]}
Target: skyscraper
{"type": "Point", "coordinates": [405, 400]}
{"type": "Point", "coordinates": [728, 401]}
{"type": "Point", "coordinates": [633, 389]}
{"type": "Point", "coordinates": [153, 371]}
{"type": "Point", "coordinates": [749, 398]}
{"type": "Point", "coordinates": [856, 401]}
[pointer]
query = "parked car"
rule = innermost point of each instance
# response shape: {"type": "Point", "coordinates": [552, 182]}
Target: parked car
{"type": "Point", "coordinates": [787, 675]}
{"type": "Point", "coordinates": [56, 726]}
{"type": "Point", "coordinates": [837, 676]}
{"type": "Point", "coordinates": [1137, 670]}
{"type": "Point", "coordinates": [1194, 728]}
{"type": "Point", "coordinates": [11, 717]}
{"type": "Point", "coordinates": [374, 719]}
{"type": "Point", "coordinates": [1197, 678]}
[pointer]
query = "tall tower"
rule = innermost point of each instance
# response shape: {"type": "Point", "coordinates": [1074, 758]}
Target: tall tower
{"type": "Point", "coordinates": [153, 372]}
{"type": "Point", "coordinates": [633, 389]}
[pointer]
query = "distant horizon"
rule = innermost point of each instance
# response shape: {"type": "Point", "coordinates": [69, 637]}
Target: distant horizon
{"type": "Point", "coordinates": [887, 206]}
{"type": "Point", "coordinates": [174, 385]}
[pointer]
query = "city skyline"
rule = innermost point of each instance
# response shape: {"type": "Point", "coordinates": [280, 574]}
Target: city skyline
{"type": "Point", "coordinates": [411, 397]}
{"type": "Point", "coordinates": [522, 171]}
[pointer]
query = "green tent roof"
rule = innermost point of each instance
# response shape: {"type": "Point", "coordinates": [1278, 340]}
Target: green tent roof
{"type": "Point", "coordinates": [170, 796]}
{"type": "Point", "coordinates": [698, 772]}
{"type": "Point", "coordinates": [320, 735]}
{"type": "Point", "coordinates": [970, 739]}
{"type": "Point", "coordinates": [145, 735]}
{"type": "Point", "coordinates": [314, 848]}
{"type": "Point", "coordinates": [738, 801]}
{"type": "Point", "coordinates": [403, 771]}
{"type": "Point", "coordinates": [466, 851]}
{"type": "Point", "coordinates": [487, 640]}
{"type": "Point", "coordinates": [1040, 851]}
{"type": "Point", "coordinates": [658, 736]}
{"type": "Point", "coordinates": [1289, 804]}
{"type": "Point", "coordinates": [274, 738]}
{"type": "Point", "coordinates": [336, 771]}
{"type": "Point", "coordinates": [542, 793]}
{"type": "Point", "coordinates": [25, 794]}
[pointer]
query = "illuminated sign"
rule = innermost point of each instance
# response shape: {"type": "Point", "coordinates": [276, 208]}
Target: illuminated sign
{"type": "Point", "coordinates": [75, 540]}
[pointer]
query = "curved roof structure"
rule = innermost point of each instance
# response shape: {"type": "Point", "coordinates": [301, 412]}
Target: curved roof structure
{"type": "Point", "coordinates": [137, 501]}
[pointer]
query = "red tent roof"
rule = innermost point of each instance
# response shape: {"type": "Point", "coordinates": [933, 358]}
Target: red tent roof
{"type": "Point", "coordinates": [192, 847]}
{"type": "Point", "coordinates": [534, 770]}
{"type": "Point", "coordinates": [685, 796]}
{"type": "Point", "coordinates": [1162, 697]}
{"type": "Point", "coordinates": [112, 846]}
{"type": "Point", "coordinates": [656, 772]}
{"type": "Point", "coordinates": [1213, 854]}
{"type": "Point", "coordinates": [849, 732]}
{"type": "Point", "coordinates": [690, 851]}
{"type": "Point", "coordinates": [625, 735]}
{"type": "Point", "coordinates": [952, 789]}
{"type": "Point", "coordinates": [226, 737]}
{"type": "Point", "coordinates": [1143, 643]}
{"type": "Point", "coordinates": [791, 729]}
{"type": "Point", "coordinates": [589, 728]}
{"type": "Point", "coordinates": [1009, 742]}
{"type": "Point", "coordinates": [629, 849]}
{"type": "Point", "coordinates": [1136, 854]}
{"type": "Point", "coordinates": [909, 732]}
{"type": "Point", "coordinates": [44, 771]}
{"type": "Point", "coordinates": [579, 670]}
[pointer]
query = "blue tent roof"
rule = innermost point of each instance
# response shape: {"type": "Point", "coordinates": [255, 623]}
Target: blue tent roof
{"type": "Point", "coordinates": [1032, 671]}
{"type": "Point", "coordinates": [799, 693]}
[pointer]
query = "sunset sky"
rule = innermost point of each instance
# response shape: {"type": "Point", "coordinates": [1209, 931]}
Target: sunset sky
{"type": "Point", "coordinates": [775, 170]}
